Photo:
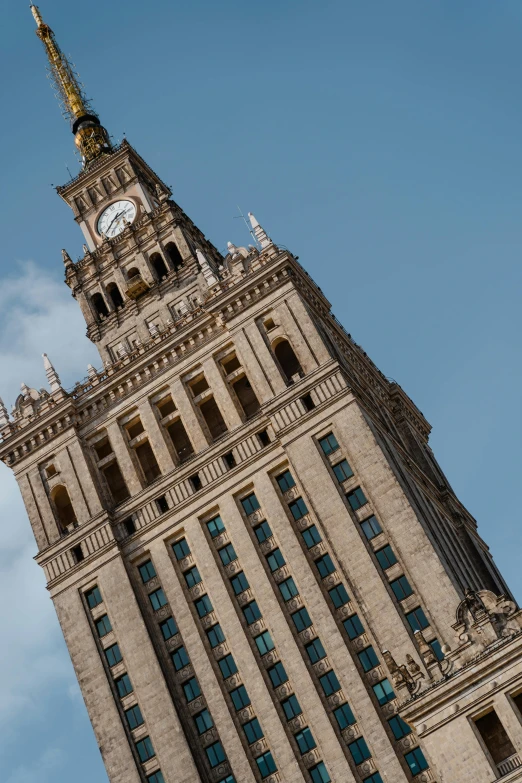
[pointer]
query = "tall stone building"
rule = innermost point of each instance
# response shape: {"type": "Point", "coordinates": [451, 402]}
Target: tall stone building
{"type": "Point", "coordinates": [240, 519]}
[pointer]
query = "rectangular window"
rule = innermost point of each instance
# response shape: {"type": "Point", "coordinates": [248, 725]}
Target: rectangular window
{"type": "Point", "coordinates": [93, 597]}
{"type": "Point", "coordinates": [215, 526]}
{"type": "Point", "coordinates": [228, 779]}
{"type": "Point", "coordinates": [240, 697]}
{"type": "Point", "coordinates": [181, 549]}
{"type": "Point", "coordinates": [308, 402]}
{"type": "Point", "coordinates": [368, 659]}
{"type": "Point", "coordinates": [399, 727]}
{"type": "Point", "coordinates": [437, 649]}
{"type": "Point", "coordinates": [162, 504]}
{"type": "Point", "coordinates": [266, 764]}
{"type": "Point", "coordinates": [285, 481]}
{"type": "Point", "coordinates": [147, 571]}
{"type": "Point", "coordinates": [319, 773]}
{"type": "Point", "coordinates": [203, 605]}
{"type": "Point", "coordinates": [191, 689]}
{"type": "Point", "coordinates": [329, 683]}
{"type": "Point", "coordinates": [215, 754]}
{"type": "Point", "coordinates": [157, 599]}
{"type": "Point", "coordinates": [386, 557]}
{"type": "Point", "coordinates": [344, 716]}
{"type": "Point", "coordinates": [145, 749]}
{"type": "Point", "coordinates": [371, 527]}
{"type": "Point", "coordinates": [298, 509]}
{"type": "Point", "coordinates": [375, 778]}
{"type": "Point", "coordinates": [103, 626]}
{"type": "Point", "coordinates": [203, 721]}
{"type": "Point", "coordinates": [302, 619]}
{"type": "Point", "coordinates": [275, 560]}
{"type": "Point", "coordinates": [325, 565]}
{"type": "Point", "coordinates": [227, 554]}
{"type": "Point", "coordinates": [356, 499]}
{"type": "Point", "coordinates": [168, 628]}
{"type": "Point", "coordinates": [339, 596]}
{"type": "Point", "coordinates": [213, 418]}
{"type": "Point", "coordinates": [123, 685]}
{"type": "Point", "coordinates": [180, 658]}
{"type": "Point", "coordinates": [353, 627]}
{"type": "Point", "coordinates": [417, 763]}
{"type": "Point", "coordinates": [311, 536]}
{"type": "Point", "coordinates": [192, 577]}
{"type": "Point", "coordinates": [305, 740]}
{"type": "Point", "coordinates": [253, 731]}
{"type": "Point", "coordinates": [329, 444]}
{"type": "Point", "coordinates": [492, 732]}
{"type": "Point", "coordinates": [250, 504]}
{"type": "Point", "coordinates": [264, 643]}
{"type": "Point", "coordinates": [252, 612]}
{"type": "Point", "coordinates": [277, 674]}
{"type": "Point", "coordinates": [215, 635]}
{"type": "Point", "coordinates": [156, 777]}
{"type": "Point", "coordinates": [401, 588]}
{"type": "Point", "coordinates": [417, 619]}
{"type": "Point", "coordinates": [288, 589]}
{"type": "Point", "coordinates": [342, 471]}
{"type": "Point", "coordinates": [113, 655]}
{"type": "Point", "coordinates": [229, 460]}
{"type": "Point", "coordinates": [315, 650]}
{"type": "Point", "coordinates": [291, 707]}
{"type": "Point", "coordinates": [384, 692]}
{"type": "Point", "coordinates": [227, 666]}
{"type": "Point", "coordinates": [263, 531]}
{"type": "Point", "coordinates": [195, 482]}
{"type": "Point", "coordinates": [359, 750]}
{"type": "Point", "coordinates": [134, 717]}
{"type": "Point", "coordinates": [239, 583]}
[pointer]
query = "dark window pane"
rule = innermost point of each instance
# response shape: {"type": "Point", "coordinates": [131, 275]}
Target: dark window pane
{"type": "Point", "coordinates": [250, 504]}
{"type": "Point", "coordinates": [215, 754]}
{"type": "Point", "coordinates": [353, 627]}
{"type": "Point", "coordinates": [288, 589]}
{"type": "Point", "coordinates": [305, 740]}
{"type": "Point", "coordinates": [266, 764]}
{"type": "Point", "coordinates": [123, 685]}
{"type": "Point", "coordinates": [191, 689]}
{"type": "Point", "coordinates": [215, 526]}
{"type": "Point", "coordinates": [371, 527]}
{"type": "Point", "coordinates": [368, 659]}
{"type": "Point", "coordinates": [181, 549]}
{"type": "Point", "coordinates": [329, 444]}
{"type": "Point", "coordinates": [147, 571]}
{"type": "Point", "coordinates": [384, 692]}
{"type": "Point", "coordinates": [168, 628]}
{"type": "Point", "coordinates": [157, 599]}
{"type": "Point", "coordinates": [227, 554]}
{"type": "Point", "coordinates": [437, 649]}
{"type": "Point", "coordinates": [356, 499]}
{"type": "Point", "coordinates": [134, 717]}
{"type": "Point", "coordinates": [93, 597]}
{"type": "Point", "coordinates": [399, 727]}
{"type": "Point", "coordinates": [291, 707]}
{"type": "Point", "coordinates": [227, 666]}
{"type": "Point", "coordinates": [285, 481]}
{"type": "Point", "coordinates": [252, 612]}
{"type": "Point", "coordinates": [315, 650]}
{"type": "Point", "coordinates": [344, 716]}
{"type": "Point", "coordinates": [339, 596]}
{"type": "Point", "coordinates": [416, 761]}
{"type": "Point", "coordinates": [311, 536]}
{"type": "Point", "coordinates": [253, 731]}
{"type": "Point", "coordinates": [239, 583]}
{"type": "Point", "coordinates": [417, 619]}
{"type": "Point", "coordinates": [263, 531]}
{"type": "Point", "coordinates": [145, 749]}
{"type": "Point", "coordinates": [203, 605]}
{"type": "Point", "coordinates": [359, 750]}
{"type": "Point", "coordinates": [180, 658]}
{"type": "Point", "coordinates": [319, 773]}
{"type": "Point", "coordinates": [277, 674]}
{"type": "Point", "coordinates": [298, 508]}
{"type": "Point", "coordinates": [203, 721]}
{"type": "Point", "coordinates": [329, 683]}
{"type": "Point", "coordinates": [386, 557]}
{"type": "Point", "coordinates": [325, 565]}
{"type": "Point", "coordinates": [215, 635]}
{"type": "Point", "coordinates": [103, 626]}
{"type": "Point", "coordinates": [302, 619]}
{"type": "Point", "coordinates": [342, 471]}
{"type": "Point", "coordinates": [401, 588]}
{"type": "Point", "coordinates": [240, 697]}
{"type": "Point", "coordinates": [264, 643]}
{"type": "Point", "coordinates": [275, 559]}
{"type": "Point", "coordinates": [113, 655]}
{"type": "Point", "coordinates": [192, 577]}
{"type": "Point", "coordinates": [156, 777]}
{"type": "Point", "coordinates": [375, 778]}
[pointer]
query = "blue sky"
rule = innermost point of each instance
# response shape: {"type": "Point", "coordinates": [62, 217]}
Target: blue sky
{"type": "Point", "coordinates": [380, 141]}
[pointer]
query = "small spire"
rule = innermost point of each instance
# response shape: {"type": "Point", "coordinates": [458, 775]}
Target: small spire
{"type": "Point", "coordinates": [4, 415]}
{"type": "Point", "coordinates": [52, 376]}
{"type": "Point", "coordinates": [91, 372]}
{"type": "Point", "coordinates": [67, 260]}
{"type": "Point", "coordinates": [259, 233]}
{"type": "Point", "coordinates": [210, 278]}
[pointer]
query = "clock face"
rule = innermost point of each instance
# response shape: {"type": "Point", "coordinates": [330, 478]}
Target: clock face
{"type": "Point", "coordinates": [113, 220]}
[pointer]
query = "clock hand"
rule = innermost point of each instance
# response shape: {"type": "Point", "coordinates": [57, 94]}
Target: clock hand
{"type": "Point", "coordinates": [115, 218]}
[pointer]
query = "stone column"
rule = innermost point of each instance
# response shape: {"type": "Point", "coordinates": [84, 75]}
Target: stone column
{"type": "Point", "coordinates": [308, 328]}
{"type": "Point", "coordinates": [45, 527]}
{"type": "Point", "coordinates": [156, 439]}
{"type": "Point", "coordinates": [72, 484]}
{"type": "Point", "coordinates": [266, 358]}
{"type": "Point", "coordinates": [296, 338]}
{"type": "Point", "coordinates": [188, 416]}
{"type": "Point", "coordinates": [252, 367]}
{"type": "Point", "coordinates": [222, 394]}
{"type": "Point", "coordinates": [121, 450]}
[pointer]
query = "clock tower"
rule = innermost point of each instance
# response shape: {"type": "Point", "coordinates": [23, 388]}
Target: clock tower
{"type": "Point", "coordinates": [240, 519]}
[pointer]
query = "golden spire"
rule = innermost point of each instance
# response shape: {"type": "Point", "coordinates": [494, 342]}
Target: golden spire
{"type": "Point", "coordinates": [91, 138]}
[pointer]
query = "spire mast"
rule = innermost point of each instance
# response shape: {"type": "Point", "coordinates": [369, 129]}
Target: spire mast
{"type": "Point", "coordinates": [91, 138]}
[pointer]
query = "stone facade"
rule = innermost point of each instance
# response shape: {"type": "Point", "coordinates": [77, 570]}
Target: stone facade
{"type": "Point", "coordinates": [239, 515]}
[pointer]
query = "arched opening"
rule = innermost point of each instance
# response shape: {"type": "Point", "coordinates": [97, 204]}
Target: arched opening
{"type": "Point", "coordinates": [288, 361]}
{"type": "Point", "coordinates": [116, 297]}
{"type": "Point", "coordinates": [99, 305]}
{"type": "Point", "coordinates": [132, 272]}
{"type": "Point", "coordinates": [174, 255]}
{"type": "Point", "coordinates": [159, 267]}
{"type": "Point", "coordinates": [64, 508]}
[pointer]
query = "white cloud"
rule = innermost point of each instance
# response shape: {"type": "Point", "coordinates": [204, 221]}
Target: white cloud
{"type": "Point", "coordinates": [37, 314]}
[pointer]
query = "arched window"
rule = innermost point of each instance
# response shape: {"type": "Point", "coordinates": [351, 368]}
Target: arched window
{"type": "Point", "coordinates": [99, 305]}
{"type": "Point", "coordinates": [64, 508]}
{"type": "Point", "coordinates": [158, 264]}
{"type": "Point", "coordinates": [174, 255]}
{"type": "Point", "coordinates": [287, 359]}
{"type": "Point", "coordinates": [116, 297]}
{"type": "Point", "coordinates": [132, 272]}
